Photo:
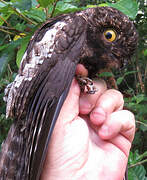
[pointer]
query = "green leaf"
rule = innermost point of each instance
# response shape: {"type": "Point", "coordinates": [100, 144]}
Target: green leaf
{"type": "Point", "coordinates": [66, 7]}
{"type": "Point", "coordinates": [21, 51]}
{"type": "Point", "coordinates": [34, 3]}
{"type": "Point", "coordinates": [45, 3]}
{"type": "Point", "coordinates": [5, 14]}
{"type": "Point", "coordinates": [128, 7]}
{"type": "Point", "coordinates": [36, 14]}
{"type": "Point", "coordinates": [3, 47]}
{"type": "Point", "coordinates": [129, 72]}
{"type": "Point", "coordinates": [91, 6]}
{"type": "Point", "coordinates": [99, 5]}
{"type": "Point", "coordinates": [63, 7]}
{"type": "Point", "coordinates": [138, 98]}
{"type": "Point", "coordinates": [22, 4]}
{"type": "Point", "coordinates": [106, 74]}
{"type": "Point", "coordinates": [119, 80]}
{"type": "Point", "coordinates": [2, 4]}
{"type": "Point", "coordinates": [143, 155]}
{"type": "Point", "coordinates": [4, 58]}
{"type": "Point", "coordinates": [137, 173]}
{"type": "Point", "coordinates": [133, 157]}
{"type": "Point", "coordinates": [6, 55]}
{"type": "Point", "coordinates": [20, 27]}
{"type": "Point", "coordinates": [143, 127]}
{"type": "Point", "coordinates": [136, 157]}
{"type": "Point", "coordinates": [145, 52]}
{"type": "Point", "coordinates": [103, 5]}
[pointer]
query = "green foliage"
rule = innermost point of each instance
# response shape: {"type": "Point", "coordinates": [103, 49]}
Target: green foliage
{"type": "Point", "coordinates": [7, 54]}
{"type": "Point", "coordinates": [23, 45]}
{"type": "Point", "coordinates": [63, 8]}
{"type": "Point", "coordinates": [4, 123]}
{"type": "Point", "coordinates": [105, 74]}
{"type": "Point", "coordinates": [136, 170]}
{"type": "Point", "coordinates": [45, 3]}
{"type": "Point", "coordinates": [18, 21]}
{"type": "Point", "coordinates": [128, 7]}
{"type": "Point", "coordinates": [137, 173]}
{"type": "Point", "coordinates": [22, 5]}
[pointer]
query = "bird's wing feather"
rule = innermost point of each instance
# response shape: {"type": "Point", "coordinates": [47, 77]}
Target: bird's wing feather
{"type": "Point", "coordinates": [40, 89]}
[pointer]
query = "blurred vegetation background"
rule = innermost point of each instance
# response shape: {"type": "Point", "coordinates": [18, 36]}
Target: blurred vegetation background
{"type": "Point", "coordinates": [18, 21]}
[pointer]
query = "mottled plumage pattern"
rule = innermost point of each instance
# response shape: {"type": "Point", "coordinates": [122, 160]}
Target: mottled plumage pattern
{"type": "Point", "coordinates": [36, 96]}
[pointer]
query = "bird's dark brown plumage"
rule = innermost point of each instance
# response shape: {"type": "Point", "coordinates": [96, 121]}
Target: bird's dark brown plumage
{"type": "Point", "coordinates": [47, 69]}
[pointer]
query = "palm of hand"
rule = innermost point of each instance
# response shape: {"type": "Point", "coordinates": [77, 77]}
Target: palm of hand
{"type": "Point", "coordinates": [80, 150]}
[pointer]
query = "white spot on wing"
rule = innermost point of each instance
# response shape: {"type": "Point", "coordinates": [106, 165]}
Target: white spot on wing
{"type": "Point", "coordinates": [45, 48]}
{"type": "Point", "coordinates": [18, 80]}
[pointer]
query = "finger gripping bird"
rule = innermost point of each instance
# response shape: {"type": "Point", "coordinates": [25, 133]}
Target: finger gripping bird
{"type": "Point", "coordinates": [97, 38]}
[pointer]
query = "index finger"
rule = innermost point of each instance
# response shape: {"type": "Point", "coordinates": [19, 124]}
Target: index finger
{"type": "Point", "coordinates": [110, 101]}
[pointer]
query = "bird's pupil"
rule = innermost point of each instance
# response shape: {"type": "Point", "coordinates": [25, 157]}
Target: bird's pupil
{"type": "Point", "coordinates": [108, 35]}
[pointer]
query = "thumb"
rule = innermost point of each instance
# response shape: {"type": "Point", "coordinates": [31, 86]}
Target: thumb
{"type": "Point", "coordinates": [70, 108]}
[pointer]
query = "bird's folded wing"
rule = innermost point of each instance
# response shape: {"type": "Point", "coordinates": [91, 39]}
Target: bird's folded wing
{"type": "Point", "coordinates": [40, 90]}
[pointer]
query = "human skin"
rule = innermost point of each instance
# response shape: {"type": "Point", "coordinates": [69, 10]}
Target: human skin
{"type": "Point", "coordinates": [92, 137]}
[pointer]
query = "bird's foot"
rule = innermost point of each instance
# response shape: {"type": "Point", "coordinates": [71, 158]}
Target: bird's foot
{"type": "Point", "coordinates": [86, 84]}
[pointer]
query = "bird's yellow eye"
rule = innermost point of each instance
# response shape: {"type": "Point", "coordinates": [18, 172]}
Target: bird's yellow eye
{"type": "Point", "coordinates": [110, 35]}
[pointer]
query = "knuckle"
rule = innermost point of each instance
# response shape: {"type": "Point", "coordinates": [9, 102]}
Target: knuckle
{"type": "Point", "coordinates": [115, 94]}
{"type": "Point", "coordinates": [131, 118]}
{"type": "Point", "coordinates": [100, 84]}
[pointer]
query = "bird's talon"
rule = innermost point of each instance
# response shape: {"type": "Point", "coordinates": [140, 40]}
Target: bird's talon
{"type": "Point", "coordinates": [86, 85]}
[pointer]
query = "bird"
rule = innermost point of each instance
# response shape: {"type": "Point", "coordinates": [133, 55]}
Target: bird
{"type": "Point", "coordinates": [99, 37]}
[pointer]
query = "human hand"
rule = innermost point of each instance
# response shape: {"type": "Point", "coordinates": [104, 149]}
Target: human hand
{"type": "Point", "coordinates": [92, 137]}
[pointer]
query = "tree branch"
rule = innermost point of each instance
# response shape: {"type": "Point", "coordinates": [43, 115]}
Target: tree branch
{"type": "Point", "coordinates": [138, 163]}
{"type": "Point", "coordinates": [139, 122]}
{"type": "Point", "coordinates": [54, 7]}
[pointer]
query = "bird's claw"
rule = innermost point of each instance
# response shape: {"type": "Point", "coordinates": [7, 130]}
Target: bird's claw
{"type": "Point", "coordinates": [86, 84]}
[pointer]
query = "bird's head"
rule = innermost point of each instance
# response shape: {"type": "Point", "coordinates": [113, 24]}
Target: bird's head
{"type": "Point", "coordinates": [111, 38]}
